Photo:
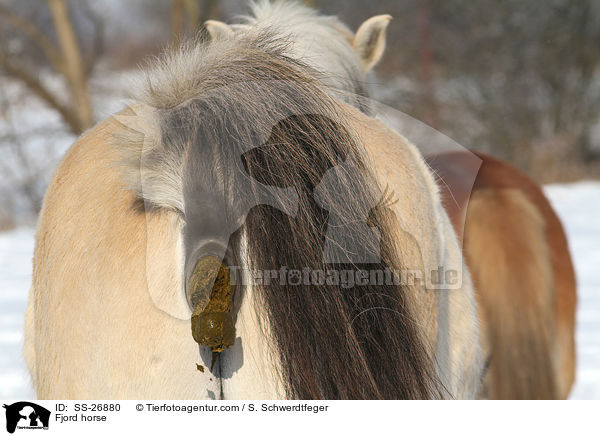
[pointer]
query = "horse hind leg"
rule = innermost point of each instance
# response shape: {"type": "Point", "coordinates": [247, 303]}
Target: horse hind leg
{"type": "Point", "coordinates": [509, 259]}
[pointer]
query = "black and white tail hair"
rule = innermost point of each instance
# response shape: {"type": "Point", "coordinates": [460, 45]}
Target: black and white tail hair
{"type": "Point", "coordinates": [243, 101]}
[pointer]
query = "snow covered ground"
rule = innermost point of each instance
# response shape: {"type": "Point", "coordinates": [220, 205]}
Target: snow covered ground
{"type": "Point", "coordinates": [16, 250]}
{"type": "Point", "coordinates": [578, 204]}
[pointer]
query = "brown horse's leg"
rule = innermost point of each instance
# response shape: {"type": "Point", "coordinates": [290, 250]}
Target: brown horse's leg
{"type": "Point", "coordinates": [509, 258]}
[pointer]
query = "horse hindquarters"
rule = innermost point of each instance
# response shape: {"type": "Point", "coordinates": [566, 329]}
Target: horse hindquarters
{"type": "Point", "coordinates": [509, 258]}
{"type": "Point", "coordinates": [518, 252]}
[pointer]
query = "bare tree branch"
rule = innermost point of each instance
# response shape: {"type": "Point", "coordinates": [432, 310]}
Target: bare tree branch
{"type": "Point", "coordinates": [74, 66]}
{"type": "Point", "coordinates": [41, 40]}
{"type": "Point", "coordinates": [190, 15]}
{"type": "Point", "coordinates": [67, 60]}
{"type": "Point", "coordinates": [177, 21]}
{"type": "Point", "coordinates": [38, 88]}
{"type": "Point", "coordinates": [209, 11]}
{"type": "Point", "coordinates": [97, 38]}
{"type": "Point", "coordinates": [192, 11]}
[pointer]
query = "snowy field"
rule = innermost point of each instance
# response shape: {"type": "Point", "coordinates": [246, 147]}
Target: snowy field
{"type": "Point", "coordinates": [578, 205]}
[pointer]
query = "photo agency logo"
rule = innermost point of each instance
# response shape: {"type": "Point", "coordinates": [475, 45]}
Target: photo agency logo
{"type": "Point", "coordinates": [26, 416]}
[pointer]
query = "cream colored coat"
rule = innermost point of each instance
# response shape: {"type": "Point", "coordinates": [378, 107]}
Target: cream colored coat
{"type": "Point", "coordinates": [106, 271]}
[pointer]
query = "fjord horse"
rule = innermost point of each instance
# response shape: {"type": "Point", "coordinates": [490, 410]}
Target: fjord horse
{"type": "Point", "coordinates": [235, 150]}
{"type": "Point", "coordinates": [514, 243]}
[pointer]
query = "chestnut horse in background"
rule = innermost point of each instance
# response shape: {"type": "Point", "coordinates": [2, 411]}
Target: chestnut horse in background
{"type": "Point", "coordinates": [519, 259]}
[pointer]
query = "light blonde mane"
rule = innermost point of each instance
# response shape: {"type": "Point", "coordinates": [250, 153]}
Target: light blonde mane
{"type": "Point", "coordinates": [324, 43]}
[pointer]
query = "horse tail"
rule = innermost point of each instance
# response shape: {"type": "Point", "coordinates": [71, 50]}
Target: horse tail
{"type": "Point", "coordinates": [244, 102]}
{"type": "Point", "coordinates": [512, 272]}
